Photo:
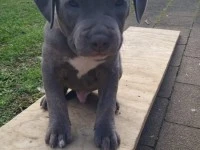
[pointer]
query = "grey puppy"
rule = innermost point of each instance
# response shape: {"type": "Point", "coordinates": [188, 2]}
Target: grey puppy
{"type": "Point", "coordinates": [81, 52]}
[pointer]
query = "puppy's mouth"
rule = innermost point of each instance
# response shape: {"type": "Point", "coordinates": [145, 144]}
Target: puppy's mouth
{"type": "Point", "coordinates": [91, 53]}
{"type": "Point", "coordinates": [99, 58]}
{"type": "Point", "coordinates": [100, 54]}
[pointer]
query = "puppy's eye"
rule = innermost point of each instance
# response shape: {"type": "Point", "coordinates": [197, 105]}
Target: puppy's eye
{"type": "Point", "coordinates": [73, 3]}
{"type": "Point", "coordinates": [119, 2]}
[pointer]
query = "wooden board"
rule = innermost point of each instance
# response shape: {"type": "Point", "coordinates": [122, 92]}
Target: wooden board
{"type": "Point", "coordinates": [145, 55]}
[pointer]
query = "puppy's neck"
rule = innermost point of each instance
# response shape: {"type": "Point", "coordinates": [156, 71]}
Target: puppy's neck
{"type": "Point", "coordinates": [84, 64]}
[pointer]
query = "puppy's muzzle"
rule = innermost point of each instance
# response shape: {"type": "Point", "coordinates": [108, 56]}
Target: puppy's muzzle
{"type": "Point", "coordinates": [99, 43]}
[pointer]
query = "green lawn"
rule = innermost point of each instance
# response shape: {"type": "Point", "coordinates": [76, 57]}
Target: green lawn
{"type": "Point", "coordinates": [21, 35]}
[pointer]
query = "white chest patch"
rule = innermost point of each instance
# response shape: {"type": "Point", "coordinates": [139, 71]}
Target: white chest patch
{"type": "Point", "coordinates": [85, 64]}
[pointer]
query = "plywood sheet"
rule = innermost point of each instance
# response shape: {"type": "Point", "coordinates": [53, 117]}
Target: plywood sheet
{"type": "Point", "coordinates": [145, 55]}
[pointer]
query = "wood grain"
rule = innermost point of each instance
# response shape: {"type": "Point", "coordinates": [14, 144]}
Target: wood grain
{"type": "Point", "coordinates": [145, 55]}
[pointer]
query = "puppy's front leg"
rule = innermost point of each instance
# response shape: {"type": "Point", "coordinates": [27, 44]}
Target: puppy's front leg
{"type": "Point", "coordinates": [106, 136]}
{"type": "Point", "coordinates": [59, 131]}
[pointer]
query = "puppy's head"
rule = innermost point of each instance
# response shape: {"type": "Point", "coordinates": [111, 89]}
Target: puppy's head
{"type": "Point", "coordinates": [92, 27]}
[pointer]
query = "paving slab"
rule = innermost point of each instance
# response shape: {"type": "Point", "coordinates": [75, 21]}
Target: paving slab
{"type": "Point", "coordinates": [158, 2]}
{"type": "Point", "coordinates": [160, 6]}
{"type": "Point", "coordinates": [168, 82]}
{"type": "Point", "coordinates": [177, 55]}
{"type": "Point", "coordinates": [182, 8]}
{"type": "Point", "coordinates": [193, 47]}
{"type": "Point", "coordinates": [195, 33]}
{"type": "Point", "coordinates": [187, 5]}
{"type": "Point", "coordinates": [197, 19]}
{"type": "Point", "coordinates": [142, 147]}
{"type": "Point", "coordinates": [153, 124]}
{"type": "Point", "coordinates": [180, 12]}
{"type": "Point", "coordinates": [137, 90]}
{"type": "Point", "coordinates": [182, 40]}
{"type": "Point", "coordinates": [177, 137]}
{"type": "Point", "coordinates": [156, 6]}
{"type": "Point", "coordinates": [171, 20]}
{"type": "Point", "coordinates": [189, 71]}
{"type": "Point", "coordinates": [184, 107]}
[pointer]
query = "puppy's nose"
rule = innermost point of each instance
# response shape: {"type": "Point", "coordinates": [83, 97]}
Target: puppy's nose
{"type": "Point", "coordinates": [99, 43]}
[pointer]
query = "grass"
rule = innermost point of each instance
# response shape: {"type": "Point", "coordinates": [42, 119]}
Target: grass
{"type": "Point", "coordinates": [21, 35]}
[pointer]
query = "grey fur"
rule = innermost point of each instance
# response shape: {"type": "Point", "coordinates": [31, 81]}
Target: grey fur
{"type": "Point", "coordinates": [82, 28]}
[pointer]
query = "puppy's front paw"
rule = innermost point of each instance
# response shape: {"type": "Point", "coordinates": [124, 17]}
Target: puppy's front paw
{"type": "Point", "coordinates": [58, 135]}
{"type": "Point", "coordinates": [106, 138]}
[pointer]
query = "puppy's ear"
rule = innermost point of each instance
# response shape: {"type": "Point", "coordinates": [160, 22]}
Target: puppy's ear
{"type": "Point", "coordinates": [140, 6]}
{"type": "Point", "coordinates": [47, 8]}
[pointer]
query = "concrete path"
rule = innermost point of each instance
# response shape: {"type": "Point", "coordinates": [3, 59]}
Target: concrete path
{"type": "Point", "coordinates": [174, 121]}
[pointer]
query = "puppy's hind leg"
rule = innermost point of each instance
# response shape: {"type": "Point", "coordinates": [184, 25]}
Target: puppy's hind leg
{"type": "Point", "coordinates": [43, 103]}
{"type": "Point", "coordinates": [68, 96]}
{"type": "Point", "coordinates": [117, 108]}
